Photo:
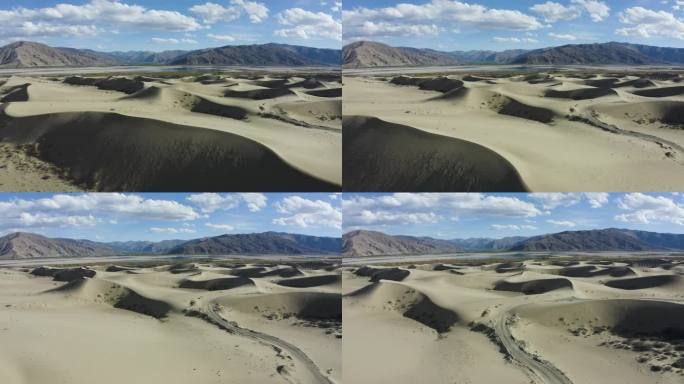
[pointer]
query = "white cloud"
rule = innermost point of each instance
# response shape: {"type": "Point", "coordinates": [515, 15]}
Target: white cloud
{"type": "Point", "coordinates": [515, 40]}
{"type": "Point", "coordinates": [512, 227]}
{"type": "Point", "coordinates": [552, 11]}
{"type": "Point", "coordinates": [597, 199]}
{"type": "Point", "coordinates": [337, 6]}
{"type": "Point", "coordinates": [212, 202]}
{"type": "Point", "coordinates": [213, 13]}
{"type": "Point", "coordinates": [561, 36]}
{"type": "Point", "coordinates": [91, 18]}
{"type": "Point", "coordinates": [171, 230]}
{"type": "Point", "coordinates": [402, 208]}
{"type": "Point", "coordinates": [257, 12]}
{"type": "Point", "coordinates": [63, 210]}
{"type": "Point", "coordinates": [554, 200]}
{"type": "Point", "coordinates": [562, 223]}
{"type": "Point", "coordinates": [301, 212]}
{"type": "Point", "coordinates": [306, 25]}
{"type": "Point", "coordinates": [646, 209]}
{"type": "Point", "coordinates": [648, 23]}
{"type": "Point", "coordinates": [597, 10]}
{"type": "Point", "coordinates": [220, 227]}
{"type": "Point", "coordinates": [159, 40]}
{"type": "Point", "coordinates": [226, 38]}
{"type": "Point", "coordinates": [254, 201]}
{"type": "Point", "coordinates": [416, 19]}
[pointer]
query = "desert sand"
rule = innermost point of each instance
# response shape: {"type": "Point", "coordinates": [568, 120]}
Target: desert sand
{"type": "Point", "coordinates": [566, 130]}
{"type": "Point", "coordinates": [175, 323]}
{"type": "Point", "coordinates": [171, 132]}
{"type": "Point", "coordinates": [557, 320]}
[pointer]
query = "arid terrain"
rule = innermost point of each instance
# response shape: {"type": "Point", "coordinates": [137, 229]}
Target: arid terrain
{"type": "Point", "coordinates": [507, 130]}
{"type": "Point", "coordinates": [174, 131]}
{"type": "Point", "coordinates": [553, 320]}
{"type": "Point", "coordinates": [204, 322]}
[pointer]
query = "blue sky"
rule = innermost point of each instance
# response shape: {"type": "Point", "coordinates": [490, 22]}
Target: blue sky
{"type": "Point", "coordinates": [450, 216]}
{"type": "Point", "coordinates": [122, 25]}
{"type": "Point", "coordinates": [120, 217]}
{"type": "Point", "coordinates": [526, 24]}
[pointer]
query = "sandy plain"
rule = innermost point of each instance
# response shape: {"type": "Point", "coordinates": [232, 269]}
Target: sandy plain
{"type": "Point", "coordinates": [218, 322]}
{"type": "Point", "coordinates": [557, 320]}
{"type": "Point", "coordinates": [171, 131]}
{"type": "Point", "coordinates": [560, 130]}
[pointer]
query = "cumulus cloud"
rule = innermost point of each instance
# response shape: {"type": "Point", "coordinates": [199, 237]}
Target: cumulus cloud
{"type": "Point", "coordinates": [554, 200]}
{"type": "Point", "coordinates": [220, 227]}
{"type": "Point", "coordinates": [562, 36]}
{"type": "Point", "coordinates": [597, 199]}
{"type": "Point", "coordinates": [224, 38]}
{"type": "Point", "coordinates": [552, 11]}
{"type": "Point", "coordinates": [212, 202]}
{"type": "Point", "coordinates": [647, 209]}
{"type": "Point", "coordinates": [402, 208]}
{"type": "Point", "coordinates": [649, 23]}
{"type": "Point", "coordinates": [562, 223]}
{"type": "Point", "coordinates": [212, 13]}
{"type": "Point", "coordinates": [512, 227]}
{"type": "Point", "coordinates": [90, 18]}
{"type": "Point", "coordinates": [297, 211]}
{"type": "Point", "coordinates": [63, 210]}
{"type": "Point", "coordinates": [421, 19]}
{"type": "Point", "coordinates": [303, 24]}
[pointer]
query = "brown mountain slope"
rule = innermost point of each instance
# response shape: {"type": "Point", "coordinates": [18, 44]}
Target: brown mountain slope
{"type": "Point", "coordinates": [363, 54]}
{"type": "Point", "coordinates": [23, 54]}
{"type": "Point", "coordinates": [28, 246]}
{"type": "Point", "coordinates": [370, 243]}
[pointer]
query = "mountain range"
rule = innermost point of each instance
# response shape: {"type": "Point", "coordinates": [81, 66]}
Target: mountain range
{"type": "Point", "coordinates": [22, 245]}
{"type": "Point", "coordinates": [363, 54]}
{"type": "Point", "coordinates": [371, 243]}
{"type": "Point", "coordinates": [26, 54]}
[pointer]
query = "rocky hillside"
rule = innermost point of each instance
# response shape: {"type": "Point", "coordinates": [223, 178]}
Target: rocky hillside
{"type": "Point", "coordinates": [602, 240]}
{"type": "Point", "coordinates": [24, 54]}
{"type": "Point", "coordinates": [370, 243]}
{"type": "Point", "coordinates": [159, 247]}
{"type": "Point", "coordinates": [363, 54]}
{"type": "Point", "coordinates": [260, 244]}
{"type": "Point", "coordinates": [28, 245]}
{"type": "Point", "coordinates": [260, 55]}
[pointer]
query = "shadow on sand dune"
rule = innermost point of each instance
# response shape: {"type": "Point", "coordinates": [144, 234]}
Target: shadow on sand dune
{"type": "Point", "coordinates": [382, 156]}
{"type": "Point", "coordinates": [111, 152]}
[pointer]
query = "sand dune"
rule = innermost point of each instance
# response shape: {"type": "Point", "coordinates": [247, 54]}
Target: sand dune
{"type": "Point", "coordinates": [111, 152]}
{"type": "Point", "coordinates": [383, 156]}
{"type": "Point", "coordinates": [204, 333]}
{"type": "Point", "coordinates": [532, 121]}
{"type": "Point", "coordinates": [377, 274]}
{"type": "Point", "coordinates": [248, 131]}
{"type": "Point", "coordinates": [530, 326]}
